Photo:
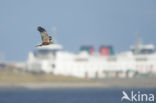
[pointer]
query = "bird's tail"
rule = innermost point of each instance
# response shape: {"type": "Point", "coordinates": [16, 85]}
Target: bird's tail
{"type": "Point", "coordinates": [38, 45]}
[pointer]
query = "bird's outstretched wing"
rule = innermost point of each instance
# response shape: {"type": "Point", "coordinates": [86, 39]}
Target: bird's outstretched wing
{"type": "Point", "coordinates": [44, 35]}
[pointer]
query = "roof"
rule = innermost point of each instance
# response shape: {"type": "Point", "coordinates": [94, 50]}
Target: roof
{"type": "Point", "coordinates": [50, 47]}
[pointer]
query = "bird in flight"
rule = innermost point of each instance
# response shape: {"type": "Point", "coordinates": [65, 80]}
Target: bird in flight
{"type": "Point", "coordinates": [46, 39]}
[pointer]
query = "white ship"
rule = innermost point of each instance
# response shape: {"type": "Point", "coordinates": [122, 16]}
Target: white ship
{"type": "Point", "coordinates": [141, 59]}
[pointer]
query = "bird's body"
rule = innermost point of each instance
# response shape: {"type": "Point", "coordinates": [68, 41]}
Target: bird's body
{"type": "Point", "coordinates": [45, 43]}
{"type": "Point", "coordinates": [46, 39]}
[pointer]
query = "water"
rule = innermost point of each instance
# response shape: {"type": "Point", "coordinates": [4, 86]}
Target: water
{"type": "Point", "coordinates": [79, 95]}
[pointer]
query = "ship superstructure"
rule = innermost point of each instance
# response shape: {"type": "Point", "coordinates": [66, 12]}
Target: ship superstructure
{"type": "Point", "coordinates": [89, 64]}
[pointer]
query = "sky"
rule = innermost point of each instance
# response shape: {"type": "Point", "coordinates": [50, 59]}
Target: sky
{"type": "Point", "coordinates": [77, 23]}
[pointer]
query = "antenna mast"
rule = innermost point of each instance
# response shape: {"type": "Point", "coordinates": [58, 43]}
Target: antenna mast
{"type": "Point", "coordinates": [54, 34]}
{"type": "Point", "coordinates": [138, 43]}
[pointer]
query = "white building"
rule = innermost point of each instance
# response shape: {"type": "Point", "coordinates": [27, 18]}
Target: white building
{"type": "Point", "coordinates": [51, 59]}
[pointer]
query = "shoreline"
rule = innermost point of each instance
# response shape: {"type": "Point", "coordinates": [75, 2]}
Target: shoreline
{"type": "Point", "coordinates": [10, 79]}
{"type": "Point", "coordinates": [104, 83]}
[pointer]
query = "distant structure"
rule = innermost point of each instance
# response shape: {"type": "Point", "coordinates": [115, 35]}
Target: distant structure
{"type": "Point", "coordinates": [90, 64]}
{"type": "Point", "coordinates": [2, 56]}
{"type": "Point", "coordinates": [54, 34]}
{"type": "Point", "coordinates": [139, 48]}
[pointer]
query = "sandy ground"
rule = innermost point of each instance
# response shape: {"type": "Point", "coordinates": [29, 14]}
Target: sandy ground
{"type": "Point", "coordinates": [104, 83]}
{"type": "Point", "coordinates": [11, 79]}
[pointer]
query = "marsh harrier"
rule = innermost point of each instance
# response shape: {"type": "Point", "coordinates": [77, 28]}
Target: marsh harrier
{"type": "Point", "coordinates": [46, 39]}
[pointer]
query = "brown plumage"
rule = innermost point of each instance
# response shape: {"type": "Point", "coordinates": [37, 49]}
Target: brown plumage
{"type": "Point", "coordinates": [46, 39]}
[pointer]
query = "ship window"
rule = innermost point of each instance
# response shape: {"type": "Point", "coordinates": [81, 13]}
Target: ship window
{"type": "Point", "coordinates": [141, 59]}
{"type": "Point", "coordinates": [53, 66]}
{"type": "Point", "coordinates": [44, 51]}
{"type": "Point", "coordinates": [41, 52]}
{"type": "Point", "coordinates": [147, 51]}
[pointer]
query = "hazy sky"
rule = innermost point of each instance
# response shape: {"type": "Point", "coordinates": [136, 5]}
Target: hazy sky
{"type": "Point", "coordinates": [77, 22]}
